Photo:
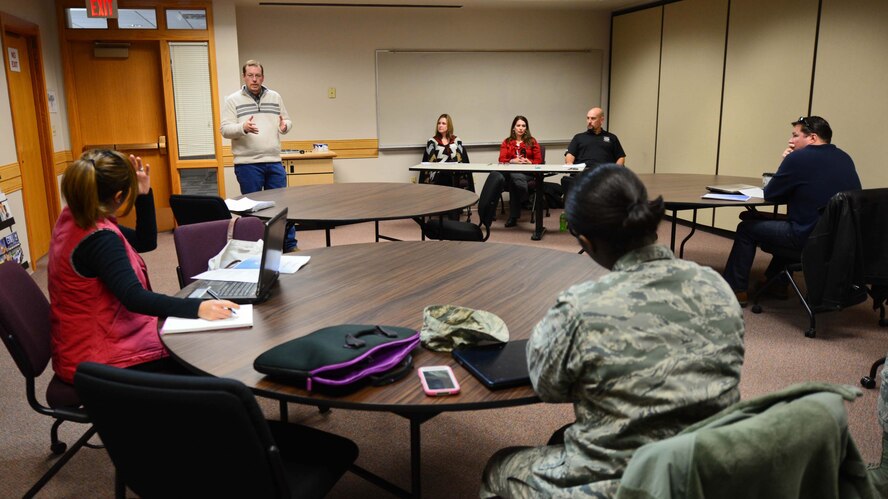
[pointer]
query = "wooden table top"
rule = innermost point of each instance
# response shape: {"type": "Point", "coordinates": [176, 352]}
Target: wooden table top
{"type": "Point", "coordinates": [363, 201]}
{"type": "Point", "coordinates": [390, 284]}
{"type": "Point", "coordinates": [684, 190]}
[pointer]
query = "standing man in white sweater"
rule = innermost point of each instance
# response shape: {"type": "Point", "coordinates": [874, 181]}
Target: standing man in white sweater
{"type": "Point", "coordinates": [254, 118]}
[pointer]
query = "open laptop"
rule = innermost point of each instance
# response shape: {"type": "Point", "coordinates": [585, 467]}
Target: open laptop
{"type": "Point", "coordinates": [255, 292]}
{"type": "Point", "coordinates": [496, 366]}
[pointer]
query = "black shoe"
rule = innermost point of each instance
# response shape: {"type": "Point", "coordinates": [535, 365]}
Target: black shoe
{"type": "Point", "coordinates": [511, 222]}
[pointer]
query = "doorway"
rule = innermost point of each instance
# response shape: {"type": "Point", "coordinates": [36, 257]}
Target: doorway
{"type": "Point", "coordinates": [33, 133]}
{"type": "Point", "coordinates": [120, 105]}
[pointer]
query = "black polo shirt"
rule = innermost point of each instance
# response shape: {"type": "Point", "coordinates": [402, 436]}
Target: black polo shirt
{"type": "Point", "coordinates": [595, 149]}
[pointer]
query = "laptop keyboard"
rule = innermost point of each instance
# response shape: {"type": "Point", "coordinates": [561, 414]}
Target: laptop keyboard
{"type": "Point", "coordinates": [232, 288]}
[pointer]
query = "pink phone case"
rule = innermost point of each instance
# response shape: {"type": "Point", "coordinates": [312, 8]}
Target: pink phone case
{"type": "Point", "coordinates": [436, 392]}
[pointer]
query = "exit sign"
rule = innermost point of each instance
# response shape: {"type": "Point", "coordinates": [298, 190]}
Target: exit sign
{"type": "Point", "coordinates": [101, 8]}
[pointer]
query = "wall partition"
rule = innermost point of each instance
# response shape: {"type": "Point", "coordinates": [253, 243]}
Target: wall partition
{"type": "Point", "coordinates": [730, 75]}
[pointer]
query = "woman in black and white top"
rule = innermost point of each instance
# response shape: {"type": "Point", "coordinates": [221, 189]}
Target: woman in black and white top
{"type": "Point", "coordinates": [446, 147]}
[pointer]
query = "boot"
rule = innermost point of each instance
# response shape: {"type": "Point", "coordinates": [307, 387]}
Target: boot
{"type": "Point", "coordinates": [878, 472]}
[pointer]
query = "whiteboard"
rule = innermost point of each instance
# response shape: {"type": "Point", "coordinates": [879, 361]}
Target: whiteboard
{"type": "Point", "coordinates": [483, 92]}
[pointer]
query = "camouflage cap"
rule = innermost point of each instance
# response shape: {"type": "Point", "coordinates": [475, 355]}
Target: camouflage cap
{"type": "Point", "coordinates": [445, 327]}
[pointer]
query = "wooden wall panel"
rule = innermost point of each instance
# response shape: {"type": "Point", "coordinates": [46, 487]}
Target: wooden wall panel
{"type": "Point", "coordinates": [768, 69]}
{"type": "Point", "coordinates": [690, 86]}
{"type": "Point", "coordinates": [849, 82]}
{"type": "Point", "coordinates": [635, 70]}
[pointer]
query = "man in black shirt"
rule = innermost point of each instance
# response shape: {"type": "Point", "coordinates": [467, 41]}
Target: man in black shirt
{"type": "Point", "coordinates": [593, 147]}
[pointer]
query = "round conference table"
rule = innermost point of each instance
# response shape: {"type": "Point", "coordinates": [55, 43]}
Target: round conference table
{"type": "Point", "coordinates": [391, 284]}
{"type": "Point", "coordinates": [684, 191]}
{"type": "Point", "coordinates": [328, 205]}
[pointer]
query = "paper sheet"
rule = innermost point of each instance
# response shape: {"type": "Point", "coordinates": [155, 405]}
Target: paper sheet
{"type": "Point", "coordinates": [289, 263]}
{"type": "Point", "coordinates": [243, 318]}
{"type": "Point", "coordinates": [238, 275]}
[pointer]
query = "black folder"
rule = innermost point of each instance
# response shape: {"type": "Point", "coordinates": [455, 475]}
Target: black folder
{"type": "Point", "coordinates": [496, 366]}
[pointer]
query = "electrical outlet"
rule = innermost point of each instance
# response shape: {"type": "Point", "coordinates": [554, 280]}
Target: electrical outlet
{"type": "Point", "coordinates": [331, 93]}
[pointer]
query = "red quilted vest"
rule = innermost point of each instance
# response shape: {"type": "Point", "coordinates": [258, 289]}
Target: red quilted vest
{"type": "Point", "coordinates": [88, 322]}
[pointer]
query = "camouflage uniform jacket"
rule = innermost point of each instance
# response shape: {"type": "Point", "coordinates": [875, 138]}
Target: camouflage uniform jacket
{"type": "Point", "coordinates": [648, 349]}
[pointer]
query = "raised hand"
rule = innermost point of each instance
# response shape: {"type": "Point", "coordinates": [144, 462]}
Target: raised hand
{"type": "Point", "coordinates": [142, 173]}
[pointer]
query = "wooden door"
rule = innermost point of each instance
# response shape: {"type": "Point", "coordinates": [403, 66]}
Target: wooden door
{"type": "Point", "coordinates": [39, 212]}
{"type": "Point", "coordinates": [120, 102]}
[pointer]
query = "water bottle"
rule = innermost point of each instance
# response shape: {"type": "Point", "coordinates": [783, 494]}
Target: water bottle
{"type": "Point", "coordinates": [562, 222]}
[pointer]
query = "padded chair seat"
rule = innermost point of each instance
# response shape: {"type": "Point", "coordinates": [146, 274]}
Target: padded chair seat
{"type": "Point", "coordinates": [60, 394]}
{"type": "Point", "coordinates": [304, 474]}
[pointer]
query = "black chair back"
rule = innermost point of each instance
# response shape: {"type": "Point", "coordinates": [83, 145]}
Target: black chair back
{"type": "Point", "coordinates": [182, 436]}
{"type": "Point", "coordinates": [192, 209]}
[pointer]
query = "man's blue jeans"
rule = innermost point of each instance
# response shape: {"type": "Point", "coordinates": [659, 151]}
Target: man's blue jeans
{"type": "Point", "coordinates": [750, 235]}
{"type": "Point", "coordinates": [254, 177]}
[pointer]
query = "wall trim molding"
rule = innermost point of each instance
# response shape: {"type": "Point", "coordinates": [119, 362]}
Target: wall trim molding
{"type": "Point", "coordinates": [11, 177]}
{"type": "Point", "coordinates": [61, 160]}
{"type": "Point", "coordinates": [344, 148]}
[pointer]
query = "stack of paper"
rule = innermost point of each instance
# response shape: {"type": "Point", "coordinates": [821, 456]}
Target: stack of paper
{"type": "Point", "coordinates": [247, 205]}
{"type": "Point", "coordinates": [242, 318]}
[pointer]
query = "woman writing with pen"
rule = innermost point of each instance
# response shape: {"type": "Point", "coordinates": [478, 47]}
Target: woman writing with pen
{"type": "Point", "coordinates": [103, 309]}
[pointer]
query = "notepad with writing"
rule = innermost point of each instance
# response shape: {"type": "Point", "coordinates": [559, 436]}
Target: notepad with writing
{"type": "Point", "coordinates": [244, 318]}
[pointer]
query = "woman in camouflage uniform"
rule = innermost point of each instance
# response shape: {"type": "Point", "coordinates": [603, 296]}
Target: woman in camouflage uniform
{"type": "Point", "coordinates": [643, 352]}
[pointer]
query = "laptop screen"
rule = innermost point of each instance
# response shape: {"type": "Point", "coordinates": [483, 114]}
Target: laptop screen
{"type": "Point", "coordinates": [273, 247]}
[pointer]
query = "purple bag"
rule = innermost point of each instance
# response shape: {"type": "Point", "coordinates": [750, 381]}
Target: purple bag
{"type": "Point", "coordinates": [342, 357]}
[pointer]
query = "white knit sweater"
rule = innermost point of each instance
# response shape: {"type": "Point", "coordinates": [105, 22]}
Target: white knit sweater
{"type": "Point", "coordinates": [262, 147]}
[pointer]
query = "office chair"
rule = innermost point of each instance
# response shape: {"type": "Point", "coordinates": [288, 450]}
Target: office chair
{"type": "Point", "coordinates": [756, 449]}
{"type": "Point", "coordinates": [844, 258]}
{"type": "Point", "coordinates": [455, 230]}
{"type": "Point", "coordinates": [197, 243]}
{"type": "Point", "coordinates": [191, 209]}
{"type": "Point", "coordinates": [25, 329]}
{"type": "Point", "coordinates": [195, 436]}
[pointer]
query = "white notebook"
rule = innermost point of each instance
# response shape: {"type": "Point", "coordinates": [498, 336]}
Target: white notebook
{"type": "Point", "coordinates": [244, 318]}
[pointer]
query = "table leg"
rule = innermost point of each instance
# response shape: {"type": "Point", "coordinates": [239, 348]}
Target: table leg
{"type": "Point", "coordinates": [681, 250]}
{"type": "Point", "coordinates": [327, 232]}
{"type": "Point", "coordinates": [539, 229]}
{"type": "Point", "coordinates": [416, 420]}
{"type": "Point", "coordinates": [674, 222]}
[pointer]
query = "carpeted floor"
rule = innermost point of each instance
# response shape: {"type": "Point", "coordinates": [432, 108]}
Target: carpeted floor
{"type": "Point", "coordinates": [455, 446]}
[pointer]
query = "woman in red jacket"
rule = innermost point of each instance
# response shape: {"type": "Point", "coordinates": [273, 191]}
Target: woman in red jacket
{"type": "Point", "coordinates": [101, 302]}
{"type": "Point", "coordinates": [521, 148]}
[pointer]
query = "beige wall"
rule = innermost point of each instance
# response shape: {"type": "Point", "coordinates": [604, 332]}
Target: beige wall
{"type": "Point", "coordinates": [849, 88]}
{"type": "Point", "coordinates": [635, 73]}
{"type": "Point", "coordinates": [307, 50]}
{"type": "Point", "coordinates": [690, 85]}
{"type": "Point", "coordinates": [42, 13]}
{"type": "Point", "coordinates": [768, 67]}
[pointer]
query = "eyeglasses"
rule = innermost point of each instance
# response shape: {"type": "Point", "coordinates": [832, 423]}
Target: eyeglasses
{"type": "Point", "coordinates": [804, 121]}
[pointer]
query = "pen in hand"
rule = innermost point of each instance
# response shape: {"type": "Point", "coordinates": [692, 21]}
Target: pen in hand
{"type": "Point", "coordinates": [216, 297]}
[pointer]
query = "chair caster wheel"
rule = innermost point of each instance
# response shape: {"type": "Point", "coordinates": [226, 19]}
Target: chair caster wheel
{"type": "Point", "coordinates": [810, 333]}
{"type": "Point", "coordinates": [58, 448]}
{"type": "Point", "coordinates": [756, 309]}
{"type": "Point", "coordinates": [867, 382]}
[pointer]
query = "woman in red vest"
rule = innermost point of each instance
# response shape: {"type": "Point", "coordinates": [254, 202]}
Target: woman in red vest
{"type": "Point", "coordinates": [102, 306]}
{"type": "Point", "coordinates": [519, 147]}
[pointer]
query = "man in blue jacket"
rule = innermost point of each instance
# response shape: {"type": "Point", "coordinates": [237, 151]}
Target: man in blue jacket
{"type": "Point", "coordinates": [813, 170]}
